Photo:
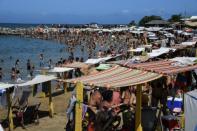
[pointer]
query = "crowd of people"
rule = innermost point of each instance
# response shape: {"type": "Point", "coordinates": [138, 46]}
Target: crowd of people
{"type": "Point", "coordinates": [103, 108]}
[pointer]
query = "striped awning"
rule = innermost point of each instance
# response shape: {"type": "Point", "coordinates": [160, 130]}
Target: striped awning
{"type": "Point", "coordinates": [165, 67]}
{"type": "Point", "coordinates": [117, 77]}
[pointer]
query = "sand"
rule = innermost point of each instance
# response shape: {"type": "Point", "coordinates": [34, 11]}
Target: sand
{"type": "Point", "coordinates": [57, 123]}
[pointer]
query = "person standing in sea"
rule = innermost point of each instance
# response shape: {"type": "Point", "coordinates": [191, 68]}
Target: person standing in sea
{"type": "Point", "coordinates": [17, 64]}
{"type": "Point", "coordinates": [32, 71]}
{"type": "Point", "coordinates": [41, 60]}
{"type": "Point", "coordinates": [13, 73]}
{"type": "Point", "coordinates": [28, 66]}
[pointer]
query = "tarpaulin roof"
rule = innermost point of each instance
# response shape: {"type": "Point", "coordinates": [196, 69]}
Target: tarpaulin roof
{"type": "Point", "coordinates": [103, 67]}
{"type": "Point", "coordinates": [103, 59]}
{"type": "Point", "coordinates": [5, 86]}
{"type": "Point", "coordinates": [38, 79]}
{"type": "Point", "coordinates": [117, 77]}
{"type": "Point", "coordinates": [135, 59]}
{"type": "Point", "coordinates": [164, 66]}
{"type": "Point", "coordinates": [60, 69]}
{"type": "Point", "coordinates": [75, 65]}
{"type": "Point", "coordinates": [160, 51]}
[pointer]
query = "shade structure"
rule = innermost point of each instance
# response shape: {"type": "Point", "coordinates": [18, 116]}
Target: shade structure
{"type": "Point", "coordinates": [75, 65]}
{"type": "Point", "coordinates": [165, 67]}
{"type": "Point", "coordinates": [160, 51]}
{"type": "Point", "coordinates": [117, 76]}
{"type": "Point", "coordinates": [60, 69]}
{"type": "Point", "coordinates": [5, 86]}
{"type": "Point", "coordinates": [38, 79]}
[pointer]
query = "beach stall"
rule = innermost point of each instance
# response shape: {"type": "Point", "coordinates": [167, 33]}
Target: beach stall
{"type": "Point", "coordinates": [61, 74]}
{"type": "Point", "coordinates": [114, 78]}
{"type": "Point", "coordinates": [31, 83]}
{"type": "Point", "coordinates": [6, 101]}
{"type": "Point", "coordinates": [167, 67]}
{"type": "Point", "coordinates": [173, 67]}
{"type": "Point", "coordinates": [46, 80]}
{"type": "Point", "coordinates": [159, 52]}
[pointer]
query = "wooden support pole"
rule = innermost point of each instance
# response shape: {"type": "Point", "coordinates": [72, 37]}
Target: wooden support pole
{"type": "Point", "coordinates": [65, 86]}
{"type": "Point", "coordinates": [34, 89]}
{"type": "Point", "coordinates": [196, 52]}
{"type": "Point", "coordinates": [10, 115]}
{"type": "Point", "coordinates": [43, 93]}
{"type": "Point", "coordinates": [138, 126]}
{"type": "Point", "coordinates": [78, 107]}
{"type": "Point", "coordinates": [51, 108]}
{"type": "Point", "coordinates": [65, 83]}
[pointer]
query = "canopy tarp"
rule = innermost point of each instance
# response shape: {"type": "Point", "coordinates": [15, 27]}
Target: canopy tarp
{"type": "Point", "coordinates": [103, 59]}
{"type": "Point", "coordinates": [140, 49]}
{"type": "Point", "coordinates": [5, 85]}
{"type": "Point", "coordinates": [96, 61]}
{"type": "Point", "coordinates": [190, 107]}
{"type": "Point", "coordinates": [135, 59]}
{"type": "Point", "coordinates": [60, 69]}
{"type": "Point", "coordinates": [166, 66]}
{"type": "Point", "coordinates": [117, 77]}
{"type": "Point", "coordinates": [38, 79]}
{"type": "Point", "coordinates": [160, 51]}
{"type": "Point", "coordinates": [75, 65]}
{"type": "Point", "coordinates": [103, 67]}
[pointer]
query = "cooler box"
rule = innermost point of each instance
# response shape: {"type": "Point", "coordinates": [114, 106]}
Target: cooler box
{"type": "Point", "coordinates": [178, 103]}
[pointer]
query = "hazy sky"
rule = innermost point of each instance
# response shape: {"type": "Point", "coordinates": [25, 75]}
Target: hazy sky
{"type": "Point", "coordinates": [86, 11]}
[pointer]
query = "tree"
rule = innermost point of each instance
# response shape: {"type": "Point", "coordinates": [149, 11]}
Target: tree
{"type": "Point", "coordinates": [132, 23]}
{"type": "Point", "coordinates": [175, 18]}
{"type": "Point", "coordinates": [146, 19]}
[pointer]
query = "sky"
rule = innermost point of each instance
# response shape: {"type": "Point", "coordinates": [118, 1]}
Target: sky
{"type": "Point", "coordinates": [87, 11]}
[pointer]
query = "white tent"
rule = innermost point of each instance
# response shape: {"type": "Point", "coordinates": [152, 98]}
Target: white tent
{"type": "Point", "coordinates": [160, 51]}
{"type": "Point", "coordinates": [60, 69]}
{"type": "Point", "coordinates": [5, 86]}
{"type": "Point", "coordinates": [140, 49]}
{"type": "Point", "coordinates": [38, 79]}
{"type": "Point", "coordinates": [103, 59]}
{"type": "Point", "coordinates": [190, 108]}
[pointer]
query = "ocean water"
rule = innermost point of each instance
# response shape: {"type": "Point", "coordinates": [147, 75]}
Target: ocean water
{"type": "Point", "coordinates": [14, 47]}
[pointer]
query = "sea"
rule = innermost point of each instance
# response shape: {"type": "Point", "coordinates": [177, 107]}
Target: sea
{"type": "Point", "coordinates": [16, 47]}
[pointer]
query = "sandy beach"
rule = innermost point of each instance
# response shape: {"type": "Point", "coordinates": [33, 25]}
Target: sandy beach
{"type": "Point", "coordinates": [46, 123]}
